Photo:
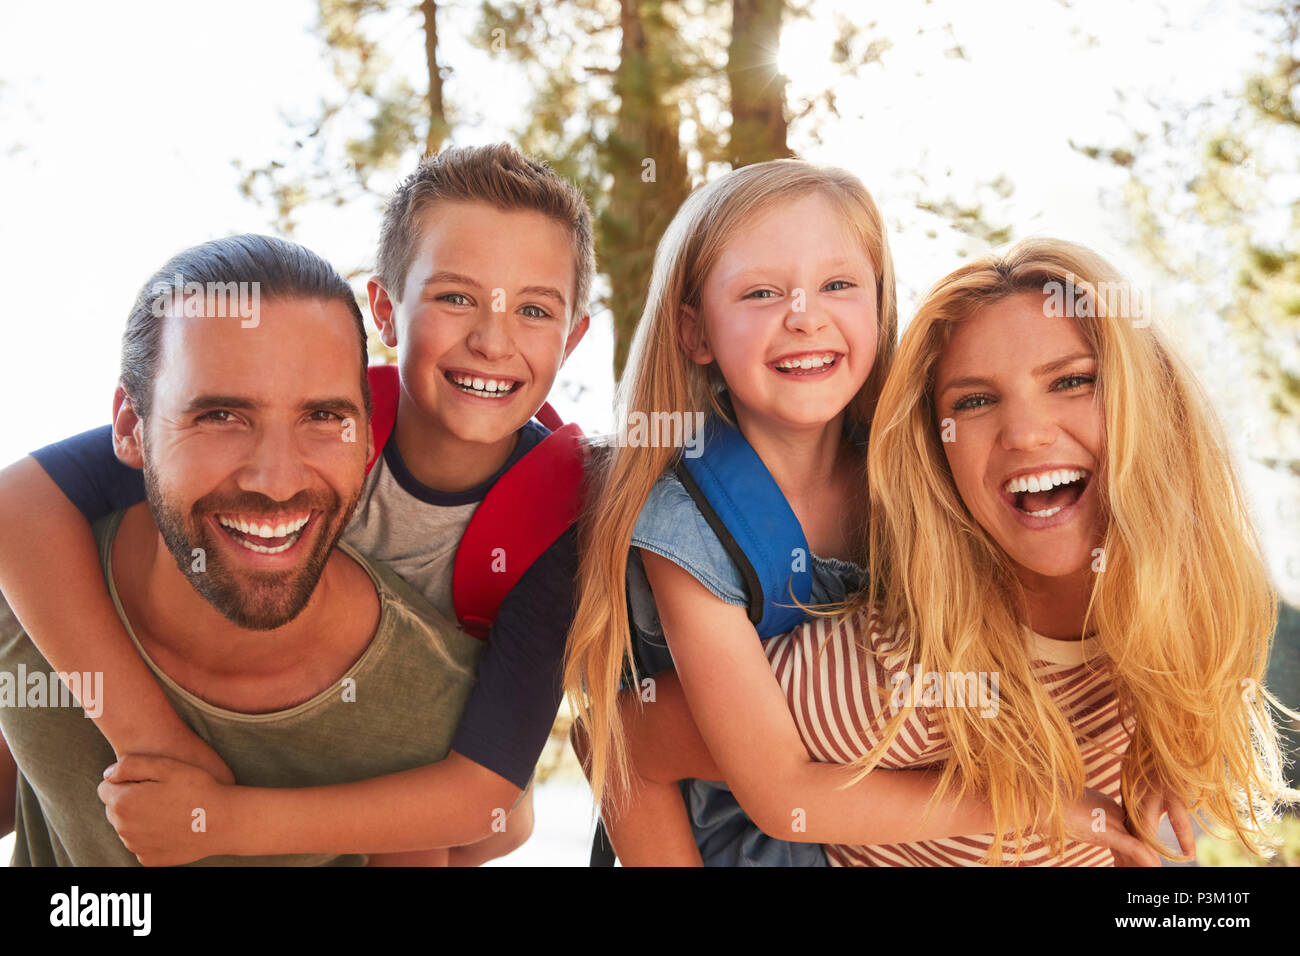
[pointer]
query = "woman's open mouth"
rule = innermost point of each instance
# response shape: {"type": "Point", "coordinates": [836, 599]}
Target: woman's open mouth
{"type": "Point", "coordinates": [1039, 497]}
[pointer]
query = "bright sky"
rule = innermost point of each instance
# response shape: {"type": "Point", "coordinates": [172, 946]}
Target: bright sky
{"type": "Point", "coordinates": [120, 151]}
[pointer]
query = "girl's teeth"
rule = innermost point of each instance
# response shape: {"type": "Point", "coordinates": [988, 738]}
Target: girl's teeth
{"type": "Point", "coordinates": [807, 362]}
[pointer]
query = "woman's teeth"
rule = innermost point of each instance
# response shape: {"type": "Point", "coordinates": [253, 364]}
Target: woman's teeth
{"type": "Point", "coordinates": [1044, 481]}
{"type": "Point", "coordinates": [807, 362]}
{"type": "Point", "coordinates": [483, 387]}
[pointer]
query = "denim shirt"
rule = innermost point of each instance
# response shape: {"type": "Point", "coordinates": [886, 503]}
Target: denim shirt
{"type": "Point", "coordinates": [672, 526]}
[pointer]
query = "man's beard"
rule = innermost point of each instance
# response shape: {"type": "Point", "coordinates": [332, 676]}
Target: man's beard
{"type": "Point", "coordinates": [254, 600]}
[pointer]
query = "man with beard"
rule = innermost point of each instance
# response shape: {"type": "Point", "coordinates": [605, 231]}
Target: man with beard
{"type": "Point", "coordinates": [296, 659]}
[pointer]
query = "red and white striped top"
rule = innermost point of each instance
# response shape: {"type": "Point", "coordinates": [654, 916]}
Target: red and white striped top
{"type": "Point", "coordinates": [835, 694]}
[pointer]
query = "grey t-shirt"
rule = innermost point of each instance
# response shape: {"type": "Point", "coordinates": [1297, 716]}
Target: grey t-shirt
{"type": "Point", "coordinates": [396, 708]}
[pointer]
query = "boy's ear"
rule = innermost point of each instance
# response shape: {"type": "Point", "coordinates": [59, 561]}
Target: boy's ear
{"type": "Point", "coordinates": [575, 337]}
{"type": "Point", "coordinates": [381, 307]}
{"type": "Point", "coordinates": [690, 334]}
{"type": "Point", "coordinates": [128, 430]}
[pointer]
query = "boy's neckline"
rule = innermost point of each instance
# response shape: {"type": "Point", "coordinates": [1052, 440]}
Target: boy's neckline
{"type": "Point", "coordinates": [529, 436]}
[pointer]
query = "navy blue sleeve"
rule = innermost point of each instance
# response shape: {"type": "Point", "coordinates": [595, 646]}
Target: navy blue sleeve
{"type": "Point", "coordinates": [89, 474]}
{"type": "Point", "coordinates": [520, 675]}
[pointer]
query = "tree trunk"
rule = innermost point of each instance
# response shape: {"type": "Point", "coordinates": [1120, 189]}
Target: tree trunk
{"type": "Point", "coordinates": [648, 170]}
{"type": "Point", "coordinates": [758, 123]}
{"type": "Point", "coordinates": [438, 128]}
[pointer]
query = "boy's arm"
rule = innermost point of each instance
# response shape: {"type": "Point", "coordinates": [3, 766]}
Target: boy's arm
{"type": "Point", "coordinates": [150, 801]}
{"type": "Point", "coordinates": [51, 576]}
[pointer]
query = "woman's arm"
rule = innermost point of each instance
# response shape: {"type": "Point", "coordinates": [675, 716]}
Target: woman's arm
{"type": "Point", "coordinates": [51, 576]}
{"type": "Point", "coordinates": [150, 802]}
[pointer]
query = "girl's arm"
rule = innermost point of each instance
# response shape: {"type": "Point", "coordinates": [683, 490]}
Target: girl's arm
{"type": "Point", "coordinates": [742, 716]}
{"type": "Point", "coordinates": [52, 579]}
{"type": "Point", "coordinates": [150, 802]}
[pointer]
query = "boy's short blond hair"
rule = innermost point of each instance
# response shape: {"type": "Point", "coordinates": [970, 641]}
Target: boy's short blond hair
{"type": "Point", "coordinates": [501, 176]}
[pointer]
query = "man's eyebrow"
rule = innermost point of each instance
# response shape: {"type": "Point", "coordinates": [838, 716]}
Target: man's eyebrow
{"type": "Point", "coordinates": [454, 278]}
{"type": "Point", "coordinates": [203, 403]}
{"type": "Point", "coordinates": [339, 405]}
{"type": "Point", "coordinates": [1048, 368]}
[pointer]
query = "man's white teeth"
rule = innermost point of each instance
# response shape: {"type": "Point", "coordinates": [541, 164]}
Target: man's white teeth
{"type": "Point", "coordinates": [484, 386]}
{"type": "Point", "coordinates": [264, 530]}
{"type": "Point", "coordinates": [1044, 481]}
{"type": "Point", "coordinates": [807, 361]}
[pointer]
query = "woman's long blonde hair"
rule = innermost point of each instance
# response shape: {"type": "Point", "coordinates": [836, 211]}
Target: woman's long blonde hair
{"type": "Point", "coordinates": [661, 378]}
{"type": "Point", "coordinates": [1183, 608]}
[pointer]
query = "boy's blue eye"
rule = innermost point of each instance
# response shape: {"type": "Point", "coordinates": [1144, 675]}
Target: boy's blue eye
{"type": "Point", "coordinates": [450, 296]}
{"type": "Point", "coordinates": [536, 312]}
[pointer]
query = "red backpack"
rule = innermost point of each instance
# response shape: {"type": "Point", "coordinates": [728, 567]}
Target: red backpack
{"type": "Point", "coordinates": [522, 515]}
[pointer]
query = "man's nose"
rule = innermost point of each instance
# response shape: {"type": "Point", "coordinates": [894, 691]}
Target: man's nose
{"type": "Point", "coordinates": [276, 467]}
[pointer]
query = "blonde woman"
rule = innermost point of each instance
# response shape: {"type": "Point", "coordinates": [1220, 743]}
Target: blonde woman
{"type": "Point", "coordinates": [1054, 511]}
{"type": "Point", "coordinates": [767, 267]}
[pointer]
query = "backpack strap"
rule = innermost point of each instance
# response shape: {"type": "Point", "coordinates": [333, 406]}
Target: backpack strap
{"type": "Point", "coordinates": [522, 515]}
{"type": "Point", "coordinates": [385, 386]}
{"type": "Point", "coordinates": [747, 510]}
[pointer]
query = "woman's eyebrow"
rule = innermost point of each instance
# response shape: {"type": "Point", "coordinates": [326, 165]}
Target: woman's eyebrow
{"type": "Point", "coordinates": [966, 382]}
{"type": "Point", "coordinates": [1061, 363]}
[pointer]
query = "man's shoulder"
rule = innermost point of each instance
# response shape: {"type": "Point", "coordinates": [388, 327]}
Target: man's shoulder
{"type": "Point", "coordinates": [409, 610]}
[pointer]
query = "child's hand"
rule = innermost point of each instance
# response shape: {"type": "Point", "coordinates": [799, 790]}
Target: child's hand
{"type": "Point", "coordinates": [161, 808]}
{"type": "Point", "coordinates": [1084, 822]}
{"type": "Point", "coordinates": [1151, 806]}
{"type": "Point", "coordinates": [188, 747]}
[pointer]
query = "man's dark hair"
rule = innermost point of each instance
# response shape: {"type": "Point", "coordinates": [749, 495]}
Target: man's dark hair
{"type": "Point", "coordinates": [280, 269]}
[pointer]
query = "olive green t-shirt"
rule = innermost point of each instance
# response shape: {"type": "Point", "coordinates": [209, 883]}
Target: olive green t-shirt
{"type": "Point", "coordinates": [396, 708]}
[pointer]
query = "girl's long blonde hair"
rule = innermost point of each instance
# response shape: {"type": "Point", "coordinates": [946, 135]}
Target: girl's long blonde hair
{"type": "Point", "coordinates": [661, 378]}
{"type": "Point", "coordinates": [1182, 605]}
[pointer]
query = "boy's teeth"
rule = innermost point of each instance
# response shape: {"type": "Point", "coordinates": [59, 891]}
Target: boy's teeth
{"type": "Point", "coordinates": [490, 386]}
{"type": "Point", "coordinates": [1044, 481]}
{"type": "Point", "coordinates": [807, 361]}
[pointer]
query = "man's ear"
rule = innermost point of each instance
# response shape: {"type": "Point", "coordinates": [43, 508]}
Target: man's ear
{"type": "Point", "coordinates": [128, 430]}
{"type": "Point", "coordinates": [575, 337]}
{"type": "Point", "coordinates": [381, 309]}
{"type": "Point", "coordinates": [691, 337]}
